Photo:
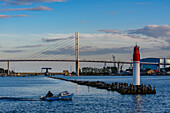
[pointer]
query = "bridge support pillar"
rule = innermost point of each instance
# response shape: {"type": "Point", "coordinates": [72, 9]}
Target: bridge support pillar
{"type": "Point", "coordinates": [118, 68]}
{"type": "Point", "coordinates": [8, 65]}
{"type": "Point", "coordinates": [77, 68]}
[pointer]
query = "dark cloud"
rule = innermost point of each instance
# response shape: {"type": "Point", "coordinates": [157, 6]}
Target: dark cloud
{"type": "Point", "coordinates": [102, 51]}
{"type": "Point", "coordinates": [10, 16]}
{"type": "Point", "coordinates": [29, 46]}
{"type": "Point", "coordinates": [153, 31]}
{"type": "Point", "coordinates": [89, 50]}
{"type": "Point", "coordinates": [51, 40]}
{"type": "Point", "coordinates": [57, 39]}
{"type": "Point", "coordinates": [168, 40]}
{"type": "Point", "coordinates": [40, 8]}
{"type": "Point", "coordinates": [28, 2]}
{"type": "Point", "coordinates": [85, 48]}
{"type": "Point", "coordinates": [110, 31]}
{"type": "Point", "coordinates": [165, 48]}
{"type": "Point", "coordinates": [61, 51]}
{"type": "Point", "coordinates": [12, 51]}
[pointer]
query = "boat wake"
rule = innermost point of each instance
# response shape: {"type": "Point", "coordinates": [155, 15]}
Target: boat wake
{"type": "Point", "coordinates": [18, 99]}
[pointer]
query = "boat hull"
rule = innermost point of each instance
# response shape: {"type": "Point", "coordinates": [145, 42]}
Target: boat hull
{"type": "Point", "coordinates": [66, 97]}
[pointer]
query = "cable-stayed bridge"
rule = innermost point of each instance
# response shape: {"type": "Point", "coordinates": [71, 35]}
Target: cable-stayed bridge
{"type": "Point", "coordinates": [65, 50]}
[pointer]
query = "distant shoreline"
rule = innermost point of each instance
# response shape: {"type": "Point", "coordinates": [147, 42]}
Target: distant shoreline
{"type": "Point", "coordinates": [88, 75]}
{"type": "Point", "coordinates": [121, 75]}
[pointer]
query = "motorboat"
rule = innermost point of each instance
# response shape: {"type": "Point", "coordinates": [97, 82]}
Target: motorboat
{"type": "Point", "coordinates": [65, 95]}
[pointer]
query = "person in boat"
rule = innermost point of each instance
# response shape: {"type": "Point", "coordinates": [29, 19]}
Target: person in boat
{"type": "Point", "coordinates": [49, 94]}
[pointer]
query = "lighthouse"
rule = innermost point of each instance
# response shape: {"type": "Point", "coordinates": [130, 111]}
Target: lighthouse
{"type": "Point", "coordinates": [136, 66]}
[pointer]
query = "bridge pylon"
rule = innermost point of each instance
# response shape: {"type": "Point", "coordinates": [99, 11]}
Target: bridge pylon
{"type": "Point", "coordinates": [77, 52]}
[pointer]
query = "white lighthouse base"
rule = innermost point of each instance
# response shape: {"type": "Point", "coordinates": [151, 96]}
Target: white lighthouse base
{"type": "Point", "coordinates": [136, 72]}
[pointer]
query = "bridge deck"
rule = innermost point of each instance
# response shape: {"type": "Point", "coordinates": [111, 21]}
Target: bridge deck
{"type": "Point", "coordinates": [95, 61]}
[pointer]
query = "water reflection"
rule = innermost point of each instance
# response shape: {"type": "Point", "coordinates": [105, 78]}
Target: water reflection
{"type": "Point", "coordinates": [88, 89]}
{"type": "Point", "coordinates": [77, 89]}
{"type": "Point", "coordinates": [138, 103]}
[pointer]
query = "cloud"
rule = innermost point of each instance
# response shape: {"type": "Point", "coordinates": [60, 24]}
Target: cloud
{"type": "Point", "coordinates": [109, 39]}
{"type": "Point", "coordinates": [165, 48]}
{"type": "Point", "coordinates": [28, 2]}
{"type": "Point", "coordinates": [9, 16]}
{"type": "Point", "coordinates": [83, 22]}
{"type": "Point", "coordinates": [110, 31]}
{"type": "Point", "coordinates": [40, 8]}
{"type": "Point", "coordinates": [51, 40]}
{"type": "Point", "coordinates": [5, 16]}
{"type": "Point", "coordinates": [92, 46]}
{"type": "Point", "coordinates": [101, 51]}
{"type": "Point", "coordinates": [150, 36]}
{"type": "Point", "coordinates": [56, 39]}
{"type": "Point", "coordinates": [153, 31]}
{"type": "Point", "coordinates": [89, 50]}
{"type": "Point", "coordinates": [156, 35]}
{"type": "Point", "coordinates": [60, 51]}
{"type": "Point", "coordinates": [13, 51]}
{"type": "Point", "coordinates": [30, 46]}
{"type": "Point", "coordinates": [168, 40]}
{"type": "Point", "coordinates": [142, 3]}
{"type": "Point", "coordinates": [113, 13]}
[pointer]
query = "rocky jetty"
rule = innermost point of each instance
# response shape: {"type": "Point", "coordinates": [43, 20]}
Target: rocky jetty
{"type": "Point", "coordinates": [122, 88]}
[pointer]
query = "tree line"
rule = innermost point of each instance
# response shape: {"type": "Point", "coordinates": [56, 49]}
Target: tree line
{"type": "Point", "coordinates": [98, 71]}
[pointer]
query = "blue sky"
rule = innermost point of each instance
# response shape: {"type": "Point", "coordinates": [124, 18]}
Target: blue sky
{"type": "Point", "coordinates": [106, 27]}
{"type": "Point", "coordinates": [66, 17]}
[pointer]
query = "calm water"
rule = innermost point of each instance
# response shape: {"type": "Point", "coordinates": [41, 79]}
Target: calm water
{"type": "Point", "coordinates": [86, 99]}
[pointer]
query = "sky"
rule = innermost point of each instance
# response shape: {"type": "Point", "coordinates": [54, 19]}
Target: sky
{"type": "Point", "coordinates": [106, 28]}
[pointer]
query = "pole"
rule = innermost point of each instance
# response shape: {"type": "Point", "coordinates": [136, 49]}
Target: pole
{"type": "Point", "coordinates": [130, 65]}
{"type": "Point", "coordinates": [158, 68]}
{"type": "Point", "coordinates": [77, 53]}
{"type": "Point", "coordinates": [8, 73]}
{"type": "Point", "coordinates": [164, 63]}
{"type": "Point", "coordinates": [141, 66]}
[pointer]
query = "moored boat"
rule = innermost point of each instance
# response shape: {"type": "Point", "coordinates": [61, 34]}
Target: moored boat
{"type": "Point", "coordinates": [65, 95]}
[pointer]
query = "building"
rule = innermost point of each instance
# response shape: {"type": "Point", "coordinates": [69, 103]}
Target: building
{"type": "Point", "coordinates": [155, 60]}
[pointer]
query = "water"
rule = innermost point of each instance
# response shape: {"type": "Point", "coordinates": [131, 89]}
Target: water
{"type": "Point", "coordinates": [28, 90]}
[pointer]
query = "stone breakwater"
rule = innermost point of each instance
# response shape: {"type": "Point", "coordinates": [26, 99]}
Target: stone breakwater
{"type": "Point", "coordinates": [122, 88]}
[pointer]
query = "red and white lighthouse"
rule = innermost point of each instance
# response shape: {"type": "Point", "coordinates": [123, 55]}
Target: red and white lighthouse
{"type": "Point", "coordinates": [136, 66]}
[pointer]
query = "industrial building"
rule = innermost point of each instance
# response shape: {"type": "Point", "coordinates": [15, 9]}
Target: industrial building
{"type": "Point", "coordinates": [155, 60]}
